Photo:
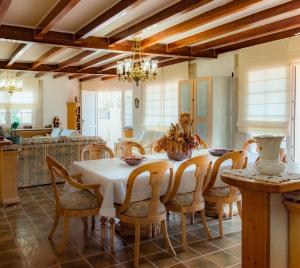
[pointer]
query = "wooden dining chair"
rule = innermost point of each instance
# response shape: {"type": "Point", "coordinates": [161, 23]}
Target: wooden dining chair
{"type": "Point", "coordinates": [282, 153]}
{"type": "Point", "coordinates": [96, 151]}
{"type": "Point", "coordinates": [80, 203]}
{"type": "Point", "coordinates": [125, 148]}
{"type": "Point", "coordinates": [229, 194]}
{"type": "Point", "coordinates": [150, 211]}
{"type": "Point", "coordinates": [193, 201]}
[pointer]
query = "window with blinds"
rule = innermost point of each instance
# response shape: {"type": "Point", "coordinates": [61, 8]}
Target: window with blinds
{"type": "Point", "coordinates": [24, 107]}
{"type": "Point", "coordinates": [264, 100]}
{"type": "Point", "coordinates": [128, 108]}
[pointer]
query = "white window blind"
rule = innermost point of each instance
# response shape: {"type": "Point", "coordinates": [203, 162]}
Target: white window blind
{"type": "Point", "coordinates": [160, 97]}
{"type": "Point", "coordinates": [24, 107]}
{"type": "Point", "coordinates": [128, 108]}
{"type": "Point", "coordinates": [264, 96]}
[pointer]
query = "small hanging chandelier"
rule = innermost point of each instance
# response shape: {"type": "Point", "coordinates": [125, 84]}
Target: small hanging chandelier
{"type": "Point", "coordinates": [10, 83]}
{"type": "Point", "coordinates": [138, 68]}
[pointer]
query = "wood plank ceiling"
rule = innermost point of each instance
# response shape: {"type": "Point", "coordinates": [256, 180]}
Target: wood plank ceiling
{"type": "Point", "coordinates": [84, 39]}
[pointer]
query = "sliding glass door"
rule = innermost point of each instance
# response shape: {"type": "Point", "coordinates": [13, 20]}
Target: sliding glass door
{"type": "Point", "coordinates": [105, 113]}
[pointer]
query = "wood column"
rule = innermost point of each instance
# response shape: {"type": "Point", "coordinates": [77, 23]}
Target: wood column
{"type": "Point", "coordinates": [256, 229]}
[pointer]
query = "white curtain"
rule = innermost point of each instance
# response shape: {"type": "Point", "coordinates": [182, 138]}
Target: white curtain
{"type": "Point", "coordinates": [264, 92]}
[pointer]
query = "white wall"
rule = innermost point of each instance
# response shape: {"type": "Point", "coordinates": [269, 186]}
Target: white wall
{"type": "Point", "coordinates": [221, 66]}
{"type": "Point", "coordinates": [57, 92]}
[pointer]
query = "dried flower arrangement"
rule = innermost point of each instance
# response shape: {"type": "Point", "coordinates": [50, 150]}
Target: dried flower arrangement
{"type": "Point", "coordinates": [179, 137]}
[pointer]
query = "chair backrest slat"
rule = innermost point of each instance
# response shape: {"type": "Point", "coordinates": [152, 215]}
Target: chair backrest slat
{"type": "Point", "coordinates": [125, 148]}
{"type": "Point", "coordinates": [157, 172]}
{"type": "Point", "coordinates": [96, 151]}
{"type": "Point", "coordinates": [239, 161]}
{"type": "Point", "coordinates": [202, 174]}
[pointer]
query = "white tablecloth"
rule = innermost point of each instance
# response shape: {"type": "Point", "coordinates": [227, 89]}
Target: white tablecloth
{"type": "Point", "coordinates": [112, 175]}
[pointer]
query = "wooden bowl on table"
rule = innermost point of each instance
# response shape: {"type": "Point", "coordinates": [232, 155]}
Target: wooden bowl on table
{"type": "Point", "coordinates": [133, 160]}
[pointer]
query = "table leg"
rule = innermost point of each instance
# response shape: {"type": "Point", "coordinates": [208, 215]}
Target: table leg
{"type": "Point", "coordinates": [103, 228]}
{"type": "Point", "coordinates": [112, 231]}
{"type": "Point", "coordinates": [255, 229]}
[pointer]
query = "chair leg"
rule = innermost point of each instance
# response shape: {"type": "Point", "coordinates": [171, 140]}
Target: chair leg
{"type": "Point", "coordinates": [56, 218]}
{"type": "Point", "coordinates": [137, 244]}
{"type": "Point", "coordinates": [183, 231]}
{"type": "Point", "coordinates": [85, 223]}
{"type": "Point", "coordinates": [65, 235]}
{"type": "Point", "coordinates": [103, 226]}
{"type": "Point", "coordinates": [93, 222]}
{"type": "Point", "coordinates": [220, 216]}
{"type": "Point", "coordinates": [112, 231]}
{"type": "Point", "coordinates": [192, 218]}
{"type": "Point", "coordinates": [239, 205]}
{"type": "Point", "coordinates": [166, 237]}
{"type": "Point", "coordinates": [230, 210]}
{"type": "Point", "coordinates": [203, 218]}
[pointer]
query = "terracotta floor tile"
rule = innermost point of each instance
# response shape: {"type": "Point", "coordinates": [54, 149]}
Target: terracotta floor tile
{"type": "Point", "coordinates": [187, 254]}
{"type": "Point", "coordinates": [101, 260]}
{"type": "Point", "coordinates": [162, 259]}
{"type": "Point", "coordinates": [149, 247]}
{"type": "Point", "coordinates": [124, 254]}
{"type": "Point", "coordinates": [143, 263]}
{"type": "Point", "coordinates": [204, 247]}
{"type": "Point", "coordinates": [236, 236]}
{"type": "Point", "coordinates": [202, 262]}
{"type": "Point", "coordinates": [223, 242]}
{"type": "Point", "coordinates": [14, 264]}
{"type": "Point", "coordinates": [235, 251]}
{"type": "Point", "coordinates": [223, 259]}
{"type": "Point", "coordinates": [9, 255]}
{"type": "Point", "coordinates": [8, 244]}
{"type": "Point", "coordinates": [189, 237]}
{"type": "Point", "coordinates": [80, 263]}
{"type": "Point", "coordinates": [68, 255]}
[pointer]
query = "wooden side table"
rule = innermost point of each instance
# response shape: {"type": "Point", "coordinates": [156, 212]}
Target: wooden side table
{"type": "Point", "coordinates": [294, 233]}
{"type": "Point", "coordinates": [8, 173]}
{"type": "Point", "coordinates": [256, 217]}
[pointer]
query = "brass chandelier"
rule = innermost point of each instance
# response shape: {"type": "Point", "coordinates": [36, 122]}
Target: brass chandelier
{"type": "Point", "coordinates": [10, 84]}
{"type": "Point", "coordinates": [137, 68]}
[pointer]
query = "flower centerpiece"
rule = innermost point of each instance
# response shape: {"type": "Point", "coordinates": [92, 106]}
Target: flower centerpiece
{"type": "Point", "coordinates": [179, 141]}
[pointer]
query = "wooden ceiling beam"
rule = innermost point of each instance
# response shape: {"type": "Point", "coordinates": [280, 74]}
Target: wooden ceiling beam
{"type": "Point", "coordinates": [204, 18]}
{"type": "Point", "coordinates": [18, 52]}
{"type": "Point", "coordinates": [58, 76]}
{"type": "Point", "coordinates": [235, 25]}
{"type": "Point", "coordinates": [176, 9]}
{"type": "Point", "coordinates": [77, 58]}
{"type": "Point", "coordinates": [46, 56]}
{"type": "Point", "coordinates": [39, 75]}
{"type": "Point", "coordinates": [24, 66]}
{"type": "Point", "coordinates": [106, 18]}
{"type": "Point", "coordinates": [89, 78]}
{"type": "Point", "coordinates": [75, 76]}
{"type": "Point", "coordinates": [260, 40]}
{"type": "Point", "coordinates": [108, 77]}
{"type": "Point", "coordinates": [54, 16]}
{"type": "Point", "coordinates": [279, 26]}
{"type": "Point", "coordinates": [25, 34]}
{"type": "Point", "coordinates": [98, 60]}
{"type": "Point", "coordinates": [4, 5]}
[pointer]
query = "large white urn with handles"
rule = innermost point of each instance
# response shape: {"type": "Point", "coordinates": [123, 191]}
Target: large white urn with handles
{"type": "Point", "coordinates": [269, 148]}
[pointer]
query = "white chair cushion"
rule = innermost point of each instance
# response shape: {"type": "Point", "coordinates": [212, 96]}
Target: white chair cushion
{"type": "Point", "coordinates": [79, 200]}
{"type": "Point", "coordinates": [140, 209]}
{"type": "Point", "coordinates": [184, 200]}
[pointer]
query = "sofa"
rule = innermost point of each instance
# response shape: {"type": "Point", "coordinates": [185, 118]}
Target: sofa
{"type": "Point", "coordinates": [33, 168]}
{"type": "Point", "coordinates": [146, 139]}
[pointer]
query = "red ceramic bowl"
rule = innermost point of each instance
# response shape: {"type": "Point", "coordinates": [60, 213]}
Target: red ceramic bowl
{"type": "Point", "coordinates": [133, 160]}
{"type": "Point", "coordinates": [219, 151]}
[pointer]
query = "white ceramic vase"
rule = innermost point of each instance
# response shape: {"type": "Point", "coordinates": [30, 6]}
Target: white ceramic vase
{"type": "Point", "coordinates": [269, 149]}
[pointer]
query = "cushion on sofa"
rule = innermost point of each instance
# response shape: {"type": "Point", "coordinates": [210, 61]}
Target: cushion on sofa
{"type": "Point", "coordinates": [56, 132]}
{"type": "Point", "coordinates": [68, 132]}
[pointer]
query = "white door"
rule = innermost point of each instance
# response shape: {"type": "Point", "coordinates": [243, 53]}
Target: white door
{"type": "Point", "coordinates": [89, 113]}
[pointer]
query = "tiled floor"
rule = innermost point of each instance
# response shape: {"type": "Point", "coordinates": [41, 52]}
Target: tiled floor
{"type": "Point", "coordinates": [24, 230]}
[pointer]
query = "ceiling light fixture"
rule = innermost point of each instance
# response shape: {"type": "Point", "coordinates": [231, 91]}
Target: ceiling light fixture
{"type": "Point", "coordinates": [10, 84]}
{"type": "Point", "coordinates": [137, 68]}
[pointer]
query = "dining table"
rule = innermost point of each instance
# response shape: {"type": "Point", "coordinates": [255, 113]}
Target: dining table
{"type": "Point", "coordinates": [112, 174]}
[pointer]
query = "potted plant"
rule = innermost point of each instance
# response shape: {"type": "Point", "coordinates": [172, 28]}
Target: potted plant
{"type": "Point", "coordinates": [179, 141]}
{"type": "Point", "coordinates": [13, 133]}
